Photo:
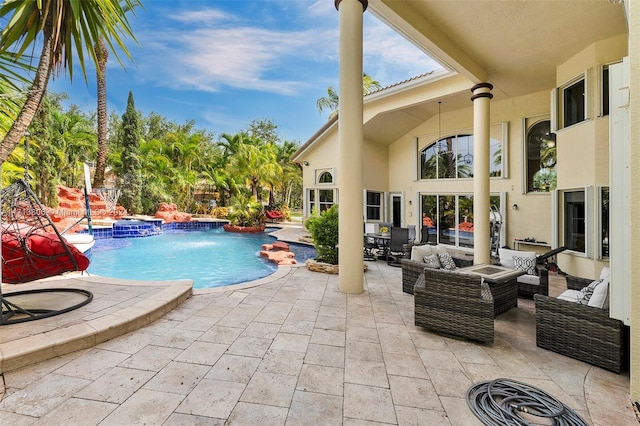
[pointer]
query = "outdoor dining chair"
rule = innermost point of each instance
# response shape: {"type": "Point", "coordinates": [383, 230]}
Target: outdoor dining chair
{"type": "Point", "coordinates": [399, 237]}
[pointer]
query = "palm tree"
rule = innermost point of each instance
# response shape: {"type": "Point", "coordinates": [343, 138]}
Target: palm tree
{"type": "Point", "coordinates": [64, 24]}
{"type": "Point", "coordinates": [103, 144]}
{"type": "Point", "coordinates": [331, 101]}
{"type": "Point", "coordinates": [74, 135]}
{"type": "Point", "coordinates": [101, 81]}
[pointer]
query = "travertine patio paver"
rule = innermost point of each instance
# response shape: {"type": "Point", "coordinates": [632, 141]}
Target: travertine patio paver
{"type": "Point", "coordinates": [296, 351]}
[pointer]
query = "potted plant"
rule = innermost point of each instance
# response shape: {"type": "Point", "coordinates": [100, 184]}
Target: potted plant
{"type": "Point", "coordinates": [246, 215]}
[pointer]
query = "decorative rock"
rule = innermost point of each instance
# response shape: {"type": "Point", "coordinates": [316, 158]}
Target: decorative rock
{"type": "Point", "coordinates": [279, 257]}
{"type": "Point", "coordinates": [71, 207]}
{"type": "Point", "coordinates": [280, 245]}
{"type": "Point", "coordinates": [169, 213]}
{"type": "Point", "coordinates": [325, 268]}
{"type": "Point", "coordinates": [245, 229]}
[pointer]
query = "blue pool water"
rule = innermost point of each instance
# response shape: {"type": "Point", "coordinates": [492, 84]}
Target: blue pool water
{"type": "Point", "coordinates": [211, 258]}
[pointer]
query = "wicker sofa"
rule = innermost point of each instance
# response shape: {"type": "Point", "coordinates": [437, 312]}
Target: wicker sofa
{"type": "Point", "coordinates": [579, 331]}
{"type": "Point", "coordinates": [454, 304]}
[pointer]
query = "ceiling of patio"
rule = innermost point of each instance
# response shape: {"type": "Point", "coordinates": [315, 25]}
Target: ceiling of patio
{"type": "Point", "coordinates": [515, 45]}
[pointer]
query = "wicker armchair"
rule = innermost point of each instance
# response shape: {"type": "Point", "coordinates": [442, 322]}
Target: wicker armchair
{"type": "Point", "coordinates": [579, 331]}
{"type": "Point", "coordinates": [527, 289]}
{"type": "Point", "coordinates": [454, 304]}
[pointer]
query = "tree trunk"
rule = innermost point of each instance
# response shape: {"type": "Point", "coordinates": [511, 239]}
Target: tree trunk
{"type": "Point", "coordinates": [103, 143]}
{"type": "Point", "coordinates": [34, 98]}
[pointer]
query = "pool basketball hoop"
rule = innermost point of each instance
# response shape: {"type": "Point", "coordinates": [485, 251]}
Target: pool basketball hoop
{"type": "Point", "coordinates": [110, 197]}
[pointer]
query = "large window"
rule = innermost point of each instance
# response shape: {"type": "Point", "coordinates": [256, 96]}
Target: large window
{"type": "Point", "coordinates": [325, 177]}
{"type": "Point", "coordinates": [448, 219]}
{"type": "Point", "coordinates": [541, 157]}
{"type": "Point", "coordinates": [374, 205]}
{"type": "Point", "coordinates": [573, 98]}
{"type": "Point", "coordinates": [452, 157]}
{"type": "Point", "coordinates": [319, 200]}
{"type": "Point", "coordinates": [570, 102]}
{"type": "Point", "coordinates": [575, 220]}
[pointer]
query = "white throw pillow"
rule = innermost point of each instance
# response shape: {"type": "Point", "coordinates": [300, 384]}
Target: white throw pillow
{"type": "Point", "coordinates": [526, 264]}
{"type": "Point", "coordinates": [418, 253]}
{"type": "Point", "coordinates": [599, 298]}
{"type": "Point", "coordinates": [604, 274]}
{"type": "Point", "coordinates": [432, 261]}
{"type": "Point", "coordinates": [506, 256]}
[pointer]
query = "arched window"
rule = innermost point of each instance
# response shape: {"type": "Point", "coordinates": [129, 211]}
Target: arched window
{"type": "Point", "coordinates": [448, 158]}
{"type": "Point", "coordinates": [325, 177]}
{"type": "Point", "coordinates": [541, 158]}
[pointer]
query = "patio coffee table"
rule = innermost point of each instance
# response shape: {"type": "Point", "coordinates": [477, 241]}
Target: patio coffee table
{"type": "Point", "coordinates": [502, 282]}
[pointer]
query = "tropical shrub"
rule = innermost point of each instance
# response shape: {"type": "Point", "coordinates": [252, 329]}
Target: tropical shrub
{"type": "Point", "coordinates": [246, 212]}
{"type": "Point", "coordinates": [220, 212]}
{"type": "Point", "coordinates": [324, 233]}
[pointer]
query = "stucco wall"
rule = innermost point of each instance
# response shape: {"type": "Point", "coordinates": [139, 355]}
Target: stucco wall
{"type": "Point", "coordinates": [375, 167]}
{"type": "Point", "coordinates": [531, 219]}
{"type": "Point", "coordinates": [583, 149]}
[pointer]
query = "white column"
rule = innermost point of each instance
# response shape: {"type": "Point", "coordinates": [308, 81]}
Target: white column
{"type": "Point", "coordinates": [481, 189]}
{"type": "Point", "coordinates": [633, 18]}
{"type": "Point", "coordinates": [351, 221]}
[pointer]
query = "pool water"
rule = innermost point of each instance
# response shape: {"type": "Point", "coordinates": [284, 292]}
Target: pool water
{"type": "Point", "coordinates": [211, 258]}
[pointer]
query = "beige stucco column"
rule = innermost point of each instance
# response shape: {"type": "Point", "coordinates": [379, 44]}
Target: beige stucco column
{"type": "Point", "coordinates": [351, 221]}
{"type": "Point", "coordinates": [634, 182]}
{"type": "Point", "coordinates": [481, 190]}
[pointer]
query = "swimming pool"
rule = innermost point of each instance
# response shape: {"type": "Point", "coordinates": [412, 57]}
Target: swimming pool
{"type": "Point", "coordinates": [212, 258]}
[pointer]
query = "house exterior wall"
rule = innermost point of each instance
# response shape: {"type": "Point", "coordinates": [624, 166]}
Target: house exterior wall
{"type": "Point", "coordinates": [323, 156]}
{"type": "Point", "coordinates": [531, 219]}
{"type": "Point", "coordinates": [375, 166]}
{"type": "Point", "coordinates": [583, 149]}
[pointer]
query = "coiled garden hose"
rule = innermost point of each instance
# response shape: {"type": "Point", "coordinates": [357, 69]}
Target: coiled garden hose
{"type": "Point", "coordinates": [500, 402]}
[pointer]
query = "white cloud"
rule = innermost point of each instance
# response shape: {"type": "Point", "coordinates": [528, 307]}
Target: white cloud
{"type": "Point", "coordinates": [212, 50]}
{"type": "Point", "coordinates": [390, 58]}
{"type": "Point", "coordinates": [223, 54]}
{"type": "Point", "coordinates": [205, 16]}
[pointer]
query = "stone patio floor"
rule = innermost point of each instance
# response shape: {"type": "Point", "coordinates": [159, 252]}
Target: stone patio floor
{"type": "Point", "coordinates": [292, 350]}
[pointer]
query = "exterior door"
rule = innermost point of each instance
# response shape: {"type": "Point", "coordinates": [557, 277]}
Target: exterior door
{"type": "Point", "coordinates": [396, 209]}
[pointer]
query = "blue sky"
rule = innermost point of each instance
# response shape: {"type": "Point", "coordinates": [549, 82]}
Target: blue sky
{"type": "Point", "coordinates": [226, 63]}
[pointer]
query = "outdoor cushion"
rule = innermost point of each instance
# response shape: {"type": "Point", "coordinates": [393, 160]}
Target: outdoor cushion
{"type": "Point", "coordinates": [432, 261]}
{"type": "Point", "coordinates": [446, 261]}
{"type": "Point", "coordinates": [418, 253]}
{"type": "Point", "coordinates": [526, 264]}
{"type": "Point", "coordinates": [584, 294]}
{"type": "Point", "coordinates": [599, 298]}
{"type": "Point", "coordinates": [569, 295]}
{"type": "Point", "coordinates": [529, 279]}
{"type": "Point", "coordinates": [438, 249]}
{"type": "Point", "coordinates": [506, 256]}
{"type": "Point", "coordinates": [604, 273]}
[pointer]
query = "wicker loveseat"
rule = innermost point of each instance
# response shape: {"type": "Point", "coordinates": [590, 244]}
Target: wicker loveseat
{"type": "Point", "coordinates": [413, 267]}
{"type": "Point", "coordinates": [580, 331]}
{"type": "Point", "coordinates": [454, 304]}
